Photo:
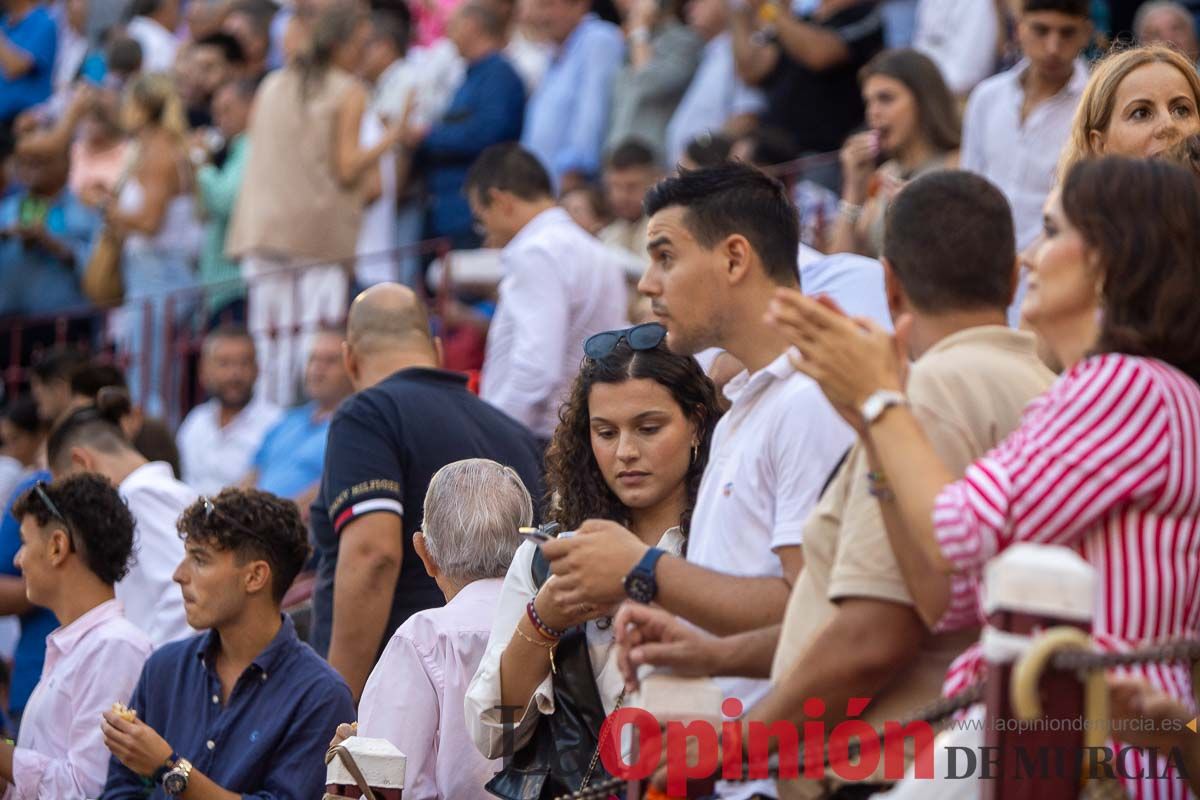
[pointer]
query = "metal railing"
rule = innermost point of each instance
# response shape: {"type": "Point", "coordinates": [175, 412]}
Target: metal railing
{"type": "Point", "coordinates": [97, 331]}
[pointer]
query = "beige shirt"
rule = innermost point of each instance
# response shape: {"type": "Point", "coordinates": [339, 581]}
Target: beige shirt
{"type": "Point", "coordinates": [291, 203]}
{"type": "Point", "coordinates": [968, 392]}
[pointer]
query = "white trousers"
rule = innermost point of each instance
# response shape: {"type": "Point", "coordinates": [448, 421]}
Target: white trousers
{"type": "Point", "coordinates": [286, 305]}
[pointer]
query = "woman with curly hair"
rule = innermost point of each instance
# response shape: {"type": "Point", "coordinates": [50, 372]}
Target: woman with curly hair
{"type": "Point", "coordinates": [631, 446]}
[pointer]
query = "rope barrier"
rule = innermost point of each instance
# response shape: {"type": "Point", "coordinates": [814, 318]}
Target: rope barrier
{"type": "Point", "coordinates": [1050, 654]}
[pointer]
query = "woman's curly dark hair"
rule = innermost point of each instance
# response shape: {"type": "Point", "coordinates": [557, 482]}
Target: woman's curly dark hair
{"type": "Point", "coordinates": [253, 525]}
{"type": "Point", "coordinates": [575, 488]}
{"type": "Point", "coordinates": [98, 521]}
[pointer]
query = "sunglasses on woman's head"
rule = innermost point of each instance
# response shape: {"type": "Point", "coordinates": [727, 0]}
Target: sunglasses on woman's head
{"type": "Point", "coordinates": [646, 336]}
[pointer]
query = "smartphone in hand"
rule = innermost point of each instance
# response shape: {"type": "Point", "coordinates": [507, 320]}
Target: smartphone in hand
{"type": "Point", "coordinates": [543, 533]}
{"type": "Point", "coordinates": [535, 535]}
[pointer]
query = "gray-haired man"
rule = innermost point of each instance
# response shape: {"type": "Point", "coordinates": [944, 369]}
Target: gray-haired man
{"type": "Point", "coordinates": [414, 697]}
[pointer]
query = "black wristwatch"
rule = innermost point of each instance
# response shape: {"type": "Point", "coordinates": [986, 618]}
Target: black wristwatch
{"type": "Point", "coordinates": [640, 583]}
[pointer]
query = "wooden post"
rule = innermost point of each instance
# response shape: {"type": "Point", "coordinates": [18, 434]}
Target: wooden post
{"type": "Point", "coordinates": [381, 765]}
{"type": "Point", "coordinates": [1030, 588]}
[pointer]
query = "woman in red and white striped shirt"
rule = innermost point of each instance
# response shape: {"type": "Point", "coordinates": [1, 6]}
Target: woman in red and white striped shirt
{"type": "Point", "coordinates": [1107, 462]}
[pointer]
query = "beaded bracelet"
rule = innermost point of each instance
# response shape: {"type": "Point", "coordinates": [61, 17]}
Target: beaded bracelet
{"type": "Point", "coordinates": [542, 628]}
{"type": "Point", "coordinates": [878, 486]}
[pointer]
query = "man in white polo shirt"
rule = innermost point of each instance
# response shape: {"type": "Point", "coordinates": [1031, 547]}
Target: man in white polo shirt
{"type": "Point", "coordinates": [721, 241]}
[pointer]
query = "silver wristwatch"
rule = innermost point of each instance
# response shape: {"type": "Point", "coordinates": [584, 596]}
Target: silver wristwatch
{"type": "Point", "coordinates": [880, 402]}
{"type": "Point", "coordinates": [175, 782]}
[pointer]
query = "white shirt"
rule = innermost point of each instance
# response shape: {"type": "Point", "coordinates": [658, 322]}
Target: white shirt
{"type": "Point", "coordinates": [377, 233]}
{"type": "Point", "coordinates": [1020, 158]}
{"type": "Point", "coordinates": [560, 286]}
{"type": "Point", "coordinates": [714, 96]}
{"type": "Point", "coordinates": [855, 282]}
{"type": "Point", "coordinates": [960, 36]}
{"type": "Point", "coordinates": [212, 457]}
{"type": "Point", "coordinates": [771, 454]}
{"type": "Point", "coordinates": [90, 664]}
{"type": "Point", "coordinates": [153, 600]}
{"type": "Point", "coordinates": [529, 58]}
{"type": "Point", "coordinates": [158, 44]}
{"type": "Point", "coordinates": [435, 72]}
{"type": "Point", "coordinates": [482, 705]}
{"type": "Point", "coordinates": [414, 697]}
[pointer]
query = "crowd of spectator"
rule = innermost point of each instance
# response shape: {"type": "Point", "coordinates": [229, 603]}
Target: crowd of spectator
{"type": "Point", "coordinates": [785, 317]}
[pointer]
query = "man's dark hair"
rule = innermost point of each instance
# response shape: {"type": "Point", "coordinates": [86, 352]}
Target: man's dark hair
{"type": "Point", "coordinates": [632, 154]}
{"type": "Point", "coordinates": [735, 199]}
{"type": "Point", "coordinates": [226, 330]}
{"type": "Point", "coordinates": [144, 8]}
{"type": "Point", "coordinates": [88, 380]}
{"type": "Point", "coordinates": [394, 26]}
{"type": "Point", "coordinates": [709, 150]}
{"type": "Point", "coordinates": [771, 146]}
{"type": "Point", "coordinates": [97, 520]}
{"type": "Point", "coordinates": [279, 537]}
{"type": "Point", "coordinates": [123, 55]}
{"type": "Point", "coordinates": [508, 168]}
{"type": "Point", "coordinates": [229, 46]}
{"type": "Point", "coordinates": [59, 365]}
{"type": "Point", "coordinates": [22, 414]}
{"type": "Point", "coordinates": [155, 442]}
{"type": "Point", "coordinates": [1073, 8]}
{"type": "Point", "coordinates": [949, 238]}
{"type": "Point", "coordinates": [97, 426]}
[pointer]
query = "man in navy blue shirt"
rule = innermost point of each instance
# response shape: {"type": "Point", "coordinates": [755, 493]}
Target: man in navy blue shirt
{"type": "Point", "coordinates": [488, 108]}
{"type": "Point", "coordinates": [247, 708]}
{"type": "Point", "coordinates": [408, 420]}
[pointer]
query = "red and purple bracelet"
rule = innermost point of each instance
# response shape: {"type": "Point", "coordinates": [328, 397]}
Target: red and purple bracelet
{"type": "Point", "coordinates": [542, 628]}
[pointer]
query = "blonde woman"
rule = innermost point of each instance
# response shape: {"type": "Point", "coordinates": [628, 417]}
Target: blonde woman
{"type": "Point", "coordinates": [154, 215]}
{"type": "Point", "coordinates": [1139, 103]}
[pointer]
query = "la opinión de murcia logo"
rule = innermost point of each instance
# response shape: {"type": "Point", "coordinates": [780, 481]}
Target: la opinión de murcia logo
{"type": "Point", "coordinates": [852, 750]}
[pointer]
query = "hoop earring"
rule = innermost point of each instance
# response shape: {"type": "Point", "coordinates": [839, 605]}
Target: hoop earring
{"type": "Point", "coordinates": [695, 452]}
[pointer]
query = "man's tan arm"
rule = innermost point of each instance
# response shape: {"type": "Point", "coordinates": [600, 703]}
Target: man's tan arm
{"type": "Point", "coordinates": [726, 604]}
{"type": "Point", "coordinates": [862, 647]}
{"type": "Point", "coordinates": [370, 554]}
